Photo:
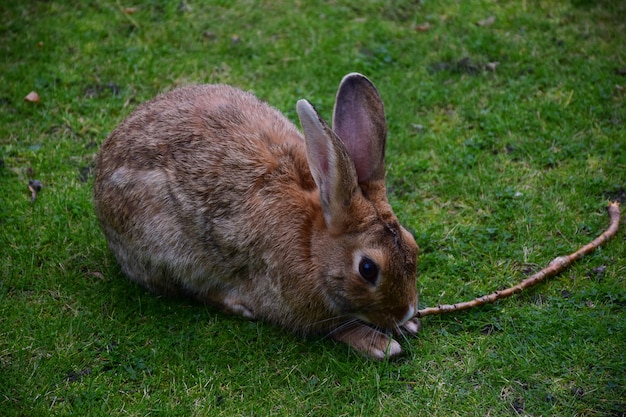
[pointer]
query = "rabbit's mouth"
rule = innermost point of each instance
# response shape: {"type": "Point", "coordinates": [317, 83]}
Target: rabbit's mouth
{"type": "Point", "coordinates": [388, 323]}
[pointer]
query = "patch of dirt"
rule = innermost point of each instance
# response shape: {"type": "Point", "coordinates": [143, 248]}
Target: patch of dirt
{"type": "Point", "coordinates": [73, 376]}
{"type": "Point", "coordinates": [490, 329]}
{"type": "Point", "coordinates": [464, 65]}
{"type": "Point", "coordinates": [618, 195]}
{"type": "Point", "coordinates": [97, 90]}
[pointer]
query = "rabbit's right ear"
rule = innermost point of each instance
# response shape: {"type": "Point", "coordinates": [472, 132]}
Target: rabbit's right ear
{"type": "Point", "coordinates": [331, 166]}
{"type": "Point", "coordinates": [359, 120]}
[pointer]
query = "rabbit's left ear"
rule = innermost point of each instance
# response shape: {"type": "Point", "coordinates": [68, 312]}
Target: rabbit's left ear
{"type": "Point", "coordinates": [331, 165]}
{"type": "Point", "coordinates": [359, 120]}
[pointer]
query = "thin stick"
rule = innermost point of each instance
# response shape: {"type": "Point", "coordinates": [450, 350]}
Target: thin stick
{"type": "Point", "coordinates": [553, 268]}
{"type": "Point", "coordinates": [126, 13]}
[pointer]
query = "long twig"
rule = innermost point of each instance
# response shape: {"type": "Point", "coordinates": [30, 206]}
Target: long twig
{"type": "Point", "coordinates": [553, 268]}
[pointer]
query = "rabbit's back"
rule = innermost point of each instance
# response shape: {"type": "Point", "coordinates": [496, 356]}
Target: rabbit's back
{"type": "Point", "coordinates": [186, 184]}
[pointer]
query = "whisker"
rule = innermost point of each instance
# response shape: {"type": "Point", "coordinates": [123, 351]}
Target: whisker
{"type": "Point", "coordinates": [319, 322]}
{"type": "Point", "coordinates": [373, 334]}
{"type": "Point", "coordinates": [341, 320]}
{"type": "Point", "coordinates": [400, 332]}
{"type": "Point", "coordinates": [342, 326]}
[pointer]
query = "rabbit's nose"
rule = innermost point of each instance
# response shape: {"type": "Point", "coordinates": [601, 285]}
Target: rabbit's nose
{"type": "Point", "coordinates": [408, 316]}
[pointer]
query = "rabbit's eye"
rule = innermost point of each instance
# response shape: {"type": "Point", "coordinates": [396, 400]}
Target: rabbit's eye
{"type": "Point", "coordinates": [368, 270]}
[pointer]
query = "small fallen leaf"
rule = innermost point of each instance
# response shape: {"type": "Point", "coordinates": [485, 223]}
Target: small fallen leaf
{"type": "Point", "coordinates": [491, 66]}
{"type": "Point", "coordinates": [33, 97]}
{"type": "Point", "coordinates": [487, 22]}
{"type": "Point", "coordinates": [97, 274]}
{"type": "Point", "coordinates": [423, 27]}
{"type": "Point", "coordinates": [417, 127]}
{"type": "Point", "coordinates": [130, 10]}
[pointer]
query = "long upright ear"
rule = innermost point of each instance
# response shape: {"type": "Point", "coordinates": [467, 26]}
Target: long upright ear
{"type": "Point", "coordinates": [359, 120]}
{"type": "Point", "coordinates": [330, 164]}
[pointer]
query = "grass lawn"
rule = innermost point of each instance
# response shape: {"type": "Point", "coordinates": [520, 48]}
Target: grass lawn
{"type": "Point", "coordinates": [507, 139]}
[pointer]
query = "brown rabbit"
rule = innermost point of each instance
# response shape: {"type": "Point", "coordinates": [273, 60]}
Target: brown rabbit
{"type": "Point", "coordinates": [207, 191]}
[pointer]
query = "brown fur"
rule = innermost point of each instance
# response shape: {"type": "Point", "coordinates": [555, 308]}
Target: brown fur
{"type": "Point", "coordinates": [209, 192]}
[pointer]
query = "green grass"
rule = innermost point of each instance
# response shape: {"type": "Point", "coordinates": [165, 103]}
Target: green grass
{"type": "Point", "coordinates": [496, 173]}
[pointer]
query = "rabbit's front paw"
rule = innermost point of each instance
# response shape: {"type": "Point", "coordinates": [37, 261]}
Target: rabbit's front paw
{"type": "Point", "coordinates": [236, 306]}
{"type": "Point", "coordinates": [411, 327]}
{"type": "Point", "coordinates": [368, 341]}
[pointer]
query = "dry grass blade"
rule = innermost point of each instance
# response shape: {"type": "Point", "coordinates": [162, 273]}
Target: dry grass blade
{"type": "Point", "coordinates": [553, 268]}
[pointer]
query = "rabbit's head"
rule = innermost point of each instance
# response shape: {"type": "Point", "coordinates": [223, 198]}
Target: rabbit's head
{"type": "Point", "coordinates": [368, 259]}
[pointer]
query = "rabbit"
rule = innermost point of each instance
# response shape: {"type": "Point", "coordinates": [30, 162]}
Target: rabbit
{"type": "Point", "coordinates": [208, 192]}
